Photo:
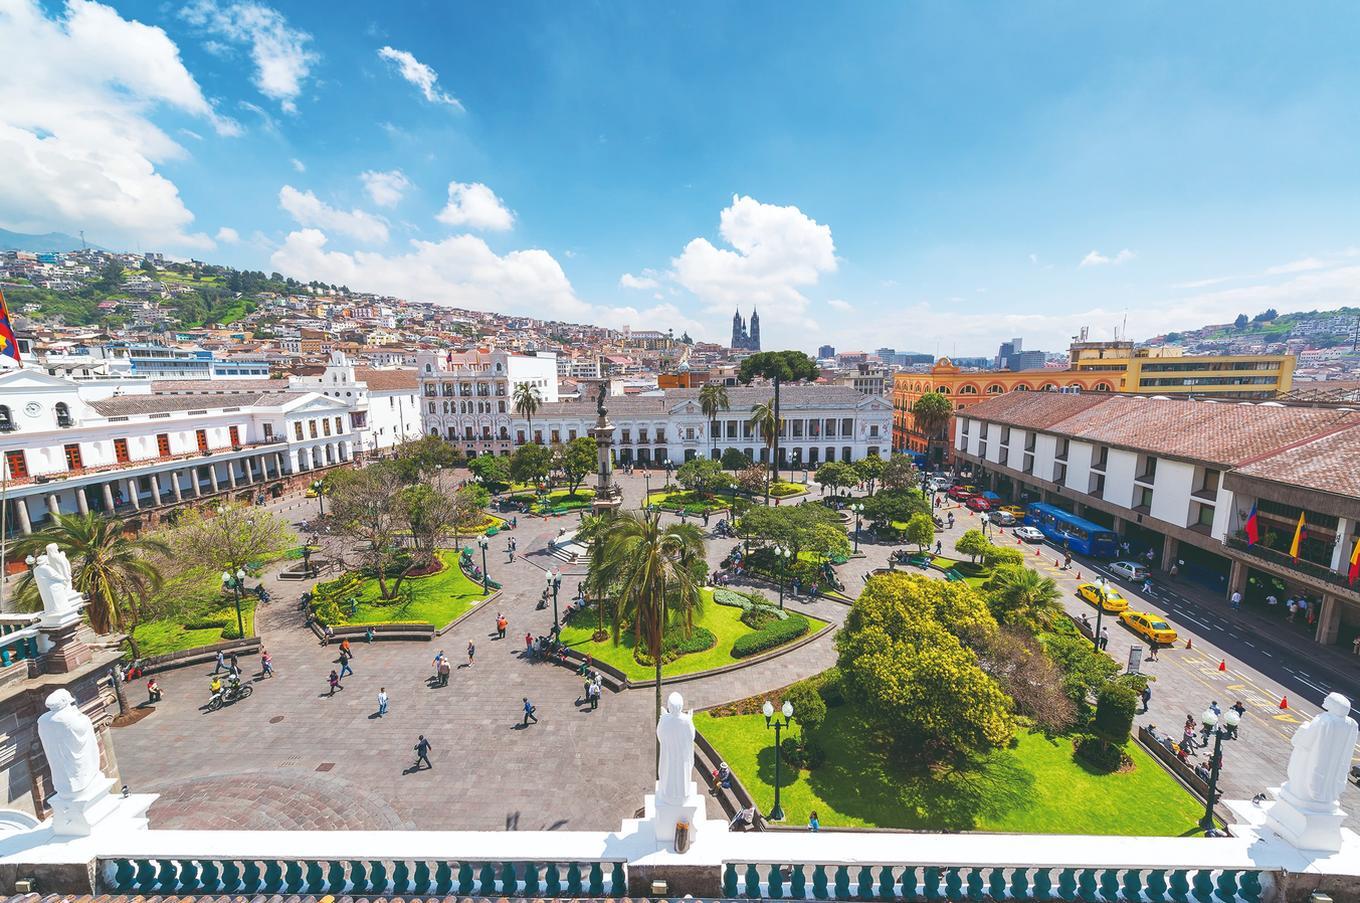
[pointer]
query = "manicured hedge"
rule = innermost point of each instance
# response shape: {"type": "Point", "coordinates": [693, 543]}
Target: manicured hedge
{"type": "Point", "coordinates": [676, 644]}
{"type": "Point", "coordinates": [776, 633]}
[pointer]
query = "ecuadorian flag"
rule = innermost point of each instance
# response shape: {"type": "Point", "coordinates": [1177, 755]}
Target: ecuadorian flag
{"type": "Point", "coordinates": [9, 346]}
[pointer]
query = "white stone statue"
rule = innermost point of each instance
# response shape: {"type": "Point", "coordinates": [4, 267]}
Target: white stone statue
{"type": "Point", "coordinates": [675, 731]}
{"type": "Point", "coordinates": [1322, 756]}
{"type": "Point", "coordinates": [69, 742]}
{"type": "Point", "coordinates": [52, 574]}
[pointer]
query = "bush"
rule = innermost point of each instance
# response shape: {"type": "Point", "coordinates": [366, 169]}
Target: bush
{"type": "Point", "coordinates": [809, 709]}
{"type": "Point", "coordinates": [776, 633]}
{"type": "Point", "coordinates": [782, 489]}
{"type": "Point", "coordinates": [757, 617]}
{"type": "Point", "coordinates": [735, 459]}
{"type": "Point", "coordinates": [1116, 707]}
{"type": "Point", "coordinates": [802, 752]}
{"type": "Point", "coordinates": [1100, 754]}
{"type": "Point", "coordinates": [676, 644]}
{"type": "Point", "coordinates": [831, 685]}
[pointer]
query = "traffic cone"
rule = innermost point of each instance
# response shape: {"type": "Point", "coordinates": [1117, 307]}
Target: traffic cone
{"type": "Point", "coordinates": [1190, 643]}
{"type": "Point", "coordinates": [1284, 702]}
{"type": "Point", "coordinates": [1222, 664]}
{"type": "Point", "coordinates": [1078, 575]}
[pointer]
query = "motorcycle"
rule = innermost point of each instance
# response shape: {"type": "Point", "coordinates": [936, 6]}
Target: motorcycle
{"type": "Point", "coordinates": [228, 694]}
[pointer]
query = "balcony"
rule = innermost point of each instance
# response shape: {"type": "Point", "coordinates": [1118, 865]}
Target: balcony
{"type": "Point", "coordinates": [1282, 559]}
{"type": "Point", "coordinates": [84, 471]}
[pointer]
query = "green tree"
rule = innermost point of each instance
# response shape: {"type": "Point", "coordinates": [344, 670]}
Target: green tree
{"type": "Point", "coordinates": [735, 459]}
{"type": "Point", "coordinates": [575, 460]}
{"type": "Point", "coordinates": [363, 508]}
{"type": "Point", "coordinates": [998, 556]}
{"type": "Point", "coordinates": [779, 367]}
{"type": "Point", "coordinates": [932, 412]}
{"type": "Point", "coordinates": [973, 544]}
{"type": "Point", "coordinates": [1084, 669]}
{"type": "Point", "coordinates": [1022, 597]}
{"type": "Point", "coordinates": [899, 505]}
{"type": "Point", "coordinates": [700, 475]}
{"type": "Point", "coordinates": [232, 536]}
{"type": "Point", "coordinates": [712, 399]}
{"type": "Point", "coordinates": [490, 469]}
{"type": "Point", "coordinates": [468, 502]}
{"type": "Point", "coordinates": [1240, 322]}
{"type": "Point", "coordinates": [1116, 707]}
{"type": "Point", "coordinates": [428, 516]}
{"type": "Point", "coordinates": [899, 473]}
{"type": "Point", "coordinates": [921, 531]}
{"type": "Point", "coordinates": [797, 527]}
{"type": "Point", "coordinates": [527, 399]}
{"type": "Point", "coordinates": [836, 475]}
{"type": "Point", "coordinates": [647, 567]}
{"type": "Point", "coordinates": [765, 421]}
{"type": "Point", "coordinates": [418, 459]}
{"type": "Point", "coordinates": [869, 469]}
{"type": "Point", "coordinates": [531, 463]}
{"type": "Point", "coordinates": [147, 267]}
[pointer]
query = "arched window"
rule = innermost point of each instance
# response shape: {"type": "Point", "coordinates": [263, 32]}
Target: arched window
{"type": "Point", "coordinates": [1020, 387]}
{"type": "Point", "coordinates": [968, 390]}
{"type": "Point", "coordinates": [995, 389]}
{"type": "Point", "coordinates": [6, 421]}
{"type": "Point", "coordinates": [63, 414]}
{"type": "Point", "coordinates": [1048, 387]}
{"type": "Point", "coordinates": [943, 390]}
{"type": "Point", "coordinates": [1102, 387]}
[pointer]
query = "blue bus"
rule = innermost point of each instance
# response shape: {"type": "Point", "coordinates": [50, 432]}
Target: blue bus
{"type": "Point", "coordinates": [1068, 530]}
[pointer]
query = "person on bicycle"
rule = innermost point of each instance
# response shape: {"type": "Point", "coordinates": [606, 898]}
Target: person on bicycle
{"type": "Point", "coordinates": [215, 687]}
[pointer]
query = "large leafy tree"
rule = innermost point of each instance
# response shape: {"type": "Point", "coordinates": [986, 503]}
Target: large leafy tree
{"type": "Point", "coordinates": [901, 505]}
{"type": "Point", "coordinates": [779, 367]}
{"type": "Point", "coordinates": [417, 459]}
{"type": "Point", "coordinates": [231, 537]}
{"type": "Point", "coordinates": [712, 399]}
{"type": "Point", "coordinates": [490, 469]}
{"type": "Point", "coordinates": [869, 469]}
{"type": "Point", "coordinates": [531, 463]}
{"type": "Point", "coordinates": [363, 508]}
{"type": "Point", "coordinates": [836, 475]}
{"type": "Point", "coordinates": [932, 412]}
{"type": "Point", "coordinates": [649, 569]}
{"type": "Point", "coordinates": [735, 459]}
{"type": "Point", "coordinates": [575, 460]}
{"type": "Point", "coordinates": [899, 473]}
{"type": "Point", "coordinates": [114, 571]}
{"type": "Point", "coordinates": [428, 516]}
{"type": "Point", "coordinates": [797, 527]}
{"type": "Point", "coordinates": [973, 544]}
{"type": "Point", "coordinates": [527, 399]}
{"type": "Point", "coordinates": [920, 530]}
{"type": "Point", "coordinates": [701, 475]}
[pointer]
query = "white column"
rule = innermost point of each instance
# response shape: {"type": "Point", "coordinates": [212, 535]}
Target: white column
{"type": "Point", "coordinates": [52, 505]}
{"type": "Point", "coordinates": [212, 478]}
{"type": "Point", "coordinates": [231, 474]}
{"type": "Point", "coordinates": [156, 488]}
{"type": "Point", "coordinates": [108, 497]}
{"type": "Point", "coordinates": [174, 485]}
{"type": "Point", "coordinates": [21, 510]}
{"type": "Point", "coordinates": [82, 503]}
{"type": "Point", "coordinates": [131, 483]}
{"type": "Point", "coordinates": [1341, 552]}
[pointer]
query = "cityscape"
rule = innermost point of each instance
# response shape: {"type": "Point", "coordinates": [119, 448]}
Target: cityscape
{"type": "Point", "coordinates": [517, 472]}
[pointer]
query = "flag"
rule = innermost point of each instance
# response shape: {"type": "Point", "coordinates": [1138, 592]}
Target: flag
{"type": "Point", "coordinates": [1253, 527]}
{"type": "Point", "coordinates": [9, 345]}
{"type": "Point", "coordinates": [1354, 572]}
{"type": "Point", "coordinates": [1300, 532]}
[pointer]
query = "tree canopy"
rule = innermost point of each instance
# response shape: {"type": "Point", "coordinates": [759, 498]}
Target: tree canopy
{"type": "Point", "coordinates": [702, 475]}
{"type": "Point", "coordinates": [575, 460]}
{"type": "Point", "coordinates": [531, 463]}
{"type": "Point", "coordinates": [899, 473]}
{"type": "Point", "coordinates": [786, 366]}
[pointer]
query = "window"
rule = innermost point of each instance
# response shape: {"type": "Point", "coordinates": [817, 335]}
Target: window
{"type": "Point", "coordinates": [18, 465]}
{"type": "Point", "coordinates": [1061, 453]}
{"type": "Point", "coordinates": [235, 434]}
{"type": "Point", "coordinates": [571, 435]}
{"type": "Point", "coordinates": [202, 437]}
{"type": "Point", "coordinates": [1209, 484]}
{"type": "Point", "coordinates": [1149, 473]}
{"type": "Point", "coordinates": [627, 436]}
{"type": "Point", "coordinates": [6, 421]}
{"type": "Point", "coordinates": [120, 451]}
{"type": "Point", "coordinates": [297, 427]}
{"type": "Point", "coordinates": [995, 389]}
{"type": "Point", "coordinates": [339, 427]}
{"type": "Point", "coordinates": [847, 428]}
{"type": "Point", "coordinates": [268, 432]}
{"type": "Point", "coordinates": [63, 414]}
{"type": "Point", "coordinates": [163, 444]}
{"type": "Point", "coordinates": [73, 461]}
{"type": "Point", "coordinates": [1142, 498]}
{"type": "Point", "coordinates": [311, 428]}
{"type": "Point", "coordinates": [326, 426]}
{"type": "Point", "coordinates": [1102, 458]}
{"type": "Point", "coordinates": [556, 436]}
{"type": "Point", "coordinates": [689, 433]}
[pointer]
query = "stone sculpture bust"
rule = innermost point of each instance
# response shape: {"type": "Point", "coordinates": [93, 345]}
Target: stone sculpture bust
{"type": "Point", "coordinates": [69, 742]}
{"type": "Point", "coordinates": [1321, 757]}
{"type": "Point", "coordinates": [675, 731]}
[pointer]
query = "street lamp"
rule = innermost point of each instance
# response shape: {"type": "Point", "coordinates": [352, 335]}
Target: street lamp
{"type": "Point", "coordinates": [554, 581]}
{"type": "Point", "coordinates": [236, 582]}
{"type": "Point", "coordinates": [486, 586]}
{"type": "Point", "coordinates": [777, 813]}
{"type": "Point", "coordinates": [321, 505]}
{"type": "Point", "coordinates": [858, 509]}
{"type": "Point", "coordinates": [782, 555]}
{"type": "Point", "coordinates": [1210, 720]}
{"type": "Point", "coordinates": [1100, 611]}
{"type": "Point", "coordinates": [647, 499]}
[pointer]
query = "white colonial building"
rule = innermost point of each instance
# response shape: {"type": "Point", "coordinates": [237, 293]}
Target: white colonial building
{"type": "Point", "coordinates": [74, 447]}
{"type": "Point", "coordinates": [469, 396]}
{"type": "Point", "coordinates": [821, 423]}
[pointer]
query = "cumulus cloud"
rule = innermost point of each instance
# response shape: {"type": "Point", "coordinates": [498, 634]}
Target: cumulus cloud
{"type": "Point", "coordinates": [648, 280]}
{"type": "Point", "coordinates": [1097, 259]}
{"type": "Point", "coordinates": [474, 205]}
{"type": "Point", "coordinates": [840, 304]}
{"type": "Point", "coordinates": [78, 146]}
{"type": "Point", "coordinates": [417, 73]}
{"type": "Point", "coordinates": [298, 164]}
{"type": "Point", "coordinates": [228, 236]}
{"type": "Point", "coordinates": [385, 188]}
{"type": "Point", "coordinates": [280, 53]}
{"type": "Point", "coordinates": [309, 210]}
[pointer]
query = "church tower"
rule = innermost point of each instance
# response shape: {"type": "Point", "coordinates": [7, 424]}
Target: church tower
{"type": "Point", "coordinates": [754, 344]}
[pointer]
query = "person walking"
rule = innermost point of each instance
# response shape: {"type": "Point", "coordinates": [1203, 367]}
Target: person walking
{"type": "Point", "coordinates": [344, 665]}
{"type": "Point", "coordinates": [1188, 734]}
{"type": "Point", "coordinates": [368, 635]}
{"type": "Point", "coordinates": [1147, 696]}
{"type": "Point", "coordinates": [445, 668]}
{"type": "Point", "coordinates": [334, 681]}
{"type": "Point", "coordinates": [423, 748]}
{"type": "Point", "coordinates": [1236, 600]}
{"type": "Point", "coordinates": [472, 651]}
{"type": "Point", "coordinates": [221, 661]}
{"type": "Point", "coordinates": [266, 664]}
{"type": "Point", "coordinates": [1241, 711]}
{"type": "Point", "coordinates": [1292, 607]}
{"type": "Point", "coordinates": [1104, 638]}
{"type": "Point", "coordinates": [382, 701]}
{"type": "Point", "coordinates": [529, 712]}
{"type": "Point", "coordinates": [344, 647]}
{"type": "Point", "coordinates": [1147, 585]}
{"type": "Point", "coordinates": [501, 625]}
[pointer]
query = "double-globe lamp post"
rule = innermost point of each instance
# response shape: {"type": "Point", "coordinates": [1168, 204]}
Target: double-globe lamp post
{"type": "Point", "coordinates": [320, 502]}
{"type": "Point", "coordinates": [1210, 720]}
{"type": "Point", "coordinates": [859, 510]}
{"type": "Point", "coordinates": [1100, 611]}
{"type": "Point", "coordinates": [777, 813]}
{"type": "Point", "coordinates": [486, 586]}
{"type": "Point", "coordinates": [554, 581]}
{"type": "Point", "coordinates": [236, 582]}
{"type": "Point", "coordinates": [782, 555]}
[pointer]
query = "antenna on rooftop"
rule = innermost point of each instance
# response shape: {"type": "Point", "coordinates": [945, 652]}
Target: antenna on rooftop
{"type": "Point", "coordinates": [82, 240]}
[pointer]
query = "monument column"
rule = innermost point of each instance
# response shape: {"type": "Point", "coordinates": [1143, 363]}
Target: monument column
{"type": "Point", "coordinates": [608, 498]}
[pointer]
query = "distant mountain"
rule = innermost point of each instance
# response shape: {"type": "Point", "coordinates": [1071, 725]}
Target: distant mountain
{"type": "Point", "coordinates": [52, 241]}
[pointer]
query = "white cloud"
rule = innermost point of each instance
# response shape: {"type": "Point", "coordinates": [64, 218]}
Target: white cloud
{"type": "Point", "coordinates": [78, 147]}
{"type": "Point", "coordinates": [1097, 259]}
{"type": "Point", "coordinates": [228, 235]}
{"type": "Point", "coordinates": [280, 53]}
{"type": "Point", "coordinates": [648, 280]}
{"type": "Point", "coordinates": [840, 304]}
{"type": "Point", "coordinates": [474, 205]}
{"type": "Point", "coordinates": [309, 210]}
{"type": "Point", "coordinates": [1296, 266]}
{"type": "Point", "coordinates": [298, 164]}
{"type": "Point", "coordinates": [385, 188]}
{"type": "Point", "coordinates": [420, 75]}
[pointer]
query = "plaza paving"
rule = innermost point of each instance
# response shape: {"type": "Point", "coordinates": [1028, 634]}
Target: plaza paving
{"type": "Point", "coordinates": [292, 757]}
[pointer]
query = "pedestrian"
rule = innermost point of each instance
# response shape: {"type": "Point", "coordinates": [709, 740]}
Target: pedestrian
{"type": "Point", "coordinates": [1174, 572]}
{"type": "Point", "coordinates": [705, 517]}
{"type": "Point", "coordinates": [1293, 608]}
{"type": "Point", "coordinates": [1188, 734]}
{"type": "Point", "coordinates": [344, 665]}
{"type": "Point", "coordinates": [529, 712]}
{"type": "Point", "coordinates": [1151, 556]}
{"type": "Point", "coordinates": [1272, 601]}
{"type": "Point", "coordinates": [510, 550]}
{"type": "Point", "coordinates": [500, 626]}
{"type": "Point", "coordinates": [593, 694]}
{"type": "Point", "coordinates": [221, 661]}
{"type": "Point", "coordinates": [445, 667]}
{"type": "Point", "coordinates": [472, 651]}
{"type": "Point", "coordinates": [1236, 600]}
{"type": "Point", "coordinates": [939, 547]}
{"type": "Point", "coordinates": [368, 635]}
{"type": "Point", "coordinates": [344, 647]}
{"type": "Point", "coordinates": [153, 691]}
{"type": "Point", "coordinates": [1147, 584]}
{"type": "Point", "coordinates": [1067, 560]}
{"type": "Point", "coordinates": [1152, 657]}
{"type": "Point", "coordinates": [1104, 638]}
{"type": "Point", "coordinates": [814, 823]}
{"type": "Point", "coordinates": [1147, 696]}
{"type": "Point", "coordinates": [423, 748]}
{"type": "Point", "coordinates": [382, 701]}
{"type": "Point", "coordinates": [514, 521]}
{"type": "Point", "coordinates": [1241, 711]}
{"type": "Point", "coordinates": [334, 681]}
{"type": "Point", "coordinates": [234, 666]}
{"type": "Point", "coordinates": [1312, 613]}
{"type": "Point", "coordinates": [266, 664]}
{"type": "Point", "coordinates": [528, 642]}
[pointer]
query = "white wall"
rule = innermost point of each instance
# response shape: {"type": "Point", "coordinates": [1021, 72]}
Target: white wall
{"type": "Point", "coordinates": [1171, 491]}
{"type": "Point", "coordinates": [1120, 469]}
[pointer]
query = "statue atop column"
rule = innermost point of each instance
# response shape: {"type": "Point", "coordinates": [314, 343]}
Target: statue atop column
{"type": "Point", "coordinates": [52, 574]}
{"type": "Point", "coordinates": [599, 400]}
{"type": "Point", "coordinates": [1307, 809]}
{"type": "Point", "coordinates": [675, 733]}
{"type": "Point", "coordinates": [68, 739]}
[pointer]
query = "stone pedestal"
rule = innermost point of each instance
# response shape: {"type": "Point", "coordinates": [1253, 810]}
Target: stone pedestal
{"type": "Point", "coordinates": [66, 650]}
{"type": "Point", "coordinates": [656, 828]}
{"type": "Point", "coordinates": [77, 816]}
{"type": "Point", "coordinates": [1306, 827]}
{"type": "Point", "coordinates": [608, 499]}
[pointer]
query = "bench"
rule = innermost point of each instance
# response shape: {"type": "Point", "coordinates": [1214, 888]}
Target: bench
{"type": "Point", "coordinates": [202, 655]}
{"type": "Point", "coordinates": [1168, 758]}
{"type": "Point", "coordinates": [952, 575]}
{"type": "Point", "coordinates": [359, 632]}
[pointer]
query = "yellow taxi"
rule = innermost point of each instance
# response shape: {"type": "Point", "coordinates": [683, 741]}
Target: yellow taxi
{"type": "Point", "coordinates": [1149, 626]}
{"type": "Point", "coordinates": [1015, 511]}
{"type": "Point", "coordinates": [1114, 601]}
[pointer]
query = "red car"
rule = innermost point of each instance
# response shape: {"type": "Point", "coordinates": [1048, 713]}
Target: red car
{"type": "Point", "coordinates": [959, 494]}
{"type": "Point", "coordinates": [978, 503]}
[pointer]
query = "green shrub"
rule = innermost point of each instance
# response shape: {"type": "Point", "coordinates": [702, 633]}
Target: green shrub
{"type": "Point", "coordinates": [776, 633]}
{"type": "Point", "coordinates": [1116, 707]}
{"type": "Point", "coordinates": [809, 709]}
{"type": "Point", "coordinates": [676, 644]}
{"type": "Point", "coordinates": [831, 685]}
{"type": "Point", "coordinates": [1099, 753]}
{"type": "Point", "coordinates": [732, 598]}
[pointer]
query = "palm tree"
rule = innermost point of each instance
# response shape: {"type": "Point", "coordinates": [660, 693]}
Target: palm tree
{"type": "Point", "coordinates": [527, 400]}
{"type": "Point", "coordinates": [712, 399]}
{"type": "Point", "coordinates": [932, 412]}
{"type": "Point", "coordinates": [1021, 595]}
{"type": "Point", "coordinates": [647, 567]}
{"type": "Point", "coordinates": [765, 420]}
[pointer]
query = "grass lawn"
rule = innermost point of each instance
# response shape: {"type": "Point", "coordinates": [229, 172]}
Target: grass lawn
{"type": "Point", "coordinates": [723, 620]}
{"type": "Point", "coordinates": [201, 629]}
{"type": "Point", "coordinates": [1035, 787]}
{"type": "Point", "coordinates": [783, 489]}
{"type": "Point", "coordinates": [689, 499]}
{"type": "Point", "coordinates": [436, 599]}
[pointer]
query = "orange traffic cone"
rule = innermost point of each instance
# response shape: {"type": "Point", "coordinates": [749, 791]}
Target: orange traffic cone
{"type": "Point", "coordinates": [1036, 553]}
{"type": "Point", "coordinates": [1284, 702]}
{"type": "Point", "coordinates": [1190, 643]}
{"type": "Point", "coordinates": [1078, 575]}
{"type": "Point", "coordinates": [1018, 542]}
{"type": "Point", "coordinates": [1222, 664]}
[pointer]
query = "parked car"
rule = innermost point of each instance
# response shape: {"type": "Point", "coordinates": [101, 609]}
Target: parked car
{"type": "Point", "coordinates": [1001, 517]}
{"type": "Point", "coordinates": [960, 493]}
{"type": "Point", "coordinates": [977, 503]}
{"type": "Point", "coordinates": [1130, 570]}
{"type": "Point", "coordinates": [1029, 534]}
{"type": "Point", "coordinates": [1015, 511]}
{"type": "Point", "coordinates": [1114, 601]}
{"type": "Point", "coordinates": [1149, 626]}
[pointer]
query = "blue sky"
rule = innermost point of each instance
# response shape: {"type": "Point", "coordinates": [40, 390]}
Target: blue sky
{"type": "Point", "coordinates": [926, 176]}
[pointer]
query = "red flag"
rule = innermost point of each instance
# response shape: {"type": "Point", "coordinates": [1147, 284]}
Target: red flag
{"type": "Point", "coordinates": [1253, 528]}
